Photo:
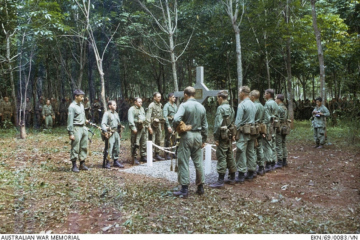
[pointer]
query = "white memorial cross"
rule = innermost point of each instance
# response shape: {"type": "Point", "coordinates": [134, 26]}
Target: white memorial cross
{"type": "Point", "coordinates": [201, 91]}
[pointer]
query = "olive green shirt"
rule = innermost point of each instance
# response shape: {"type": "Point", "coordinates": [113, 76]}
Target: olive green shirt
{"type": "Point", "coordinates": [154, 111]}
{"type": "Point", "coordinates": [261, 115]}
{"type": "Point", "coordinates": [135, 114]}
{"type": "Point", "coordinates": [55, 106]}
{"type": "Point", "coordinates": [320, 121]}
{"type": "Point", "coordinates": [110, 119]}
{"type": "Point", "coordinates": [246, 113]}
{"type": "Point", "coordinates": [192, 113]}
{"type": "Point", "coordinates": [6, 107]}
{"type": "Point", "coordinates": [282, 112]}
{"type": "Point", "coordinates": [47, 111]}
{"type": "Point", "coordinates": [87, 106]}
{"type": "Point", "coordinates": [29, 106]}
{"type": "Point", "coordinates": [169, 111]}
{"type": "Point", "coordinates": [272, 110]}
{"type": "Point", "coordinates": [76, 116]}
{"type": "Point", "coordinates": [223, 110]}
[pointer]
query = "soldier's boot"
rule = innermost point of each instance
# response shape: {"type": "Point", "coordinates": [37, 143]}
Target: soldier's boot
{"type": "Point", "coordinates": [255, 174]}
{"type": "Point", "coordinates": [167, 157]}
{"type": "Point", "coordinates": [261, 171]}
{"type": "Point", "coordinates": [268, 167]}
{"type": "Point", "coordinates": [107, 164]}
{"type": "Point", "coordinates": [183, 192]}
{"type": "Point", "coordinates": [273, 165]}
{"type": "Point", "coordinates": [82, 166]}
{"type": "Point", "coordinates": [200, 189]}
{"type": "Point", "coordinates": [157, 157]}
{"type": "Point", "coordinates": [240, 178]}
{"type": "Point", "coordinates": [316, 146]}
{"type": "Point", "coordinates": [285, 162]}
{"type": "Point", "coordinates": [319, 147]}
{"type": "Point", "coordinates": [143, 159]}
{"type": "Point", "coordinates": [231, 179]}
{"type": "Point", "coordinates": [279, 164]}
{"type": "Point", "coordinates": [74, 167]}
{"type": "Point", "coordinates": [117, 164]}
{"type": "Point", "coordinates": [249, 176]}
{"type": "Point", "coordinates": [135, 161]}
{"type": "Point", "coordinates": [219, 183]}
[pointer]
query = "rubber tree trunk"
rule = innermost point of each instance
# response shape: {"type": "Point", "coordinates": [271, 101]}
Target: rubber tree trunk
{"type": "Point", "coordinates": [238, 56]}
{"type": "Point", "coordinates": [320, 52]}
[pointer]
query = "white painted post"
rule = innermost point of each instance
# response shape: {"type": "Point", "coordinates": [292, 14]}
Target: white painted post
{"type": "Point", "coordinates": [149, 153]}
{"type": "Point", "coordinates": [207, 159]}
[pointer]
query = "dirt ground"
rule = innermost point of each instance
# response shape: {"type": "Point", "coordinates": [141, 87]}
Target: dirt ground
{"type": "Point", "coordinates": [39, 193]}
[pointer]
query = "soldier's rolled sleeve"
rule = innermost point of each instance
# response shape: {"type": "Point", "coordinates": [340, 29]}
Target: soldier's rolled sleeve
{"type": "Point", "coordinates": [179, 116]}
{"type": "Point", "coordinates": [149, 113]}
{"type": "Point", "coordinates": [204, 128]}
{"type": "Point", "coordinates": [70, 121]}
{"type": "Point", "coordinates": [131, 119]}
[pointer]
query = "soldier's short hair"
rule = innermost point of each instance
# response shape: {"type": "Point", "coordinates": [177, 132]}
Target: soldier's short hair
{"type": "Point", "coordinates": [270, 91]}
{"type": "Point", "coordinates": [78, 92]}
{"type": "Point", "coordinates": [110, 102]}
{"type": "Point", "coordinates": [190, 91]}
{"type": "Point", "coordinates": [223, 94]}
{"type": "Point", "coordinates": [170, 95]}
{"type": "Point", "coordinates": [318, 99]}
{"type": "Point", "coordinates": [255, 94]}
{"type": "Point", "coordinates": [136, 98]}
{"type": "Point", "coordinates": [244, 89]}
{"type": "Point", "coordinates": [156, 93]}
{"type": "Point", "coordinates": [280, 97]}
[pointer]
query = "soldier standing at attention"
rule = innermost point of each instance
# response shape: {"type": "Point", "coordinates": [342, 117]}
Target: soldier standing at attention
{"type": "Point", "coordinates": [245, 153]}
{"type": "Point", "coordinates": [6, 110]}
{"type": "Point", "coordinates": [155, 117]}
{"type": "Point", "coordinates": [223, 118]}
{"type": "Point", "coordinates": [191, 113]}
{"type": "Point", "coordinates": [281, 138]}
{"type": "Point", "coordinates": [320, 113]}
{"type": "Point", "coordinates": [48, 115]}
{"type": "Point", "coordinates": [272, 110]}
{"type": "Point", "coordinates": [28, 112]}
{"type": "Point", "coordinates": [138, 126]}
{"type": "Point", "coordinates": [260, 117]}
{"type": "Point", "coordinates": [169, 111]}
{"type": "Point", "coordinates": [111, 119]}
{"type": "Point", "coordinates": [78, 133]}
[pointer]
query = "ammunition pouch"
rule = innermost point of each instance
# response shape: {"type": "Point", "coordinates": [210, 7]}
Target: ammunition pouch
{"type": "Point", "coordinates": [253, 131]}
{"type": "Point", "coordinates": [247, 129]}
{"type": "Point", "coordinates": [139, 125]}
{"type": "Point", "coordinates": [276, 123]}
{"type": "Point", "coordinates": [286, 127]}
{"type": "Point", "coordinates": [224, 132]}
{"type": "Point", "coordinates": [263, 128]}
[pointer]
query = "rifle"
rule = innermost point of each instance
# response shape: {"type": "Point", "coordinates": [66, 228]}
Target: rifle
{"type": "Point", "coordinates": [266, 140]}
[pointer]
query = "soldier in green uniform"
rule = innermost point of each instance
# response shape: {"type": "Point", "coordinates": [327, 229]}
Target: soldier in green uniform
{"type": "Point", "coordinates": [281, 149]}
{"type": "Point", "coordinates": [48, 114]}
{"type": "Point", "coordinates": [55, 107]}
{"type": "Point", "coordinates": [28, 112]}
{"type": "Point", "coordinates": [319, 123]}
{"type": "Point", "coordinates": [270, 147]}
{"type": "Point", "coordinates": [155, 117]}
{"type": "Point", "coordinates": [169, 111]}
{"type": "Point", "coordinates": [6, 110]}
{"type": "Point", "coordinates": [138, 126]}
{"type": "Point", "coordinates": [111, 120]}
{"type": "Point", "coordinates": [224, 117]}
{"type": "Point", "coordinates": [191, 113]}
{"type": "Point", "coordinates": [260, 117]}
{"type": "Point", "coordinates": [78, 133]}
{"type": "Point", "coordinates": [63, 109]}
{"type": "Point", "coordinates": [97, 110]}
{"type": "Point", "coordinates": [245, 153]}
{"type": "Point", "coordinates": [38, 112]}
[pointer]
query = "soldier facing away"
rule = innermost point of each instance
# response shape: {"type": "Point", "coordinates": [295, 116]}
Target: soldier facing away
{"type": "Point", "coordinates": [169, 111]}
{"type": "Point", "coordinates": [319, 123]}
{"type": "Point", "coordinates": [111, 120]}
{"type": "Point", "coordinates": [48, 114]}
{"type": "Point", "coordinates": [280, 136]}
{"type": "Point", "coordinates": [154, 116]}
{"type": "Point", "coordinates": [191, 113]}
{"type": "Point", "coordinates": [245, 154]}
{"type": "Point", "coordinates": [78, 133]}
{"type": "Point", "coordinates": [138, 126]}
{"type": "Point", "coordinates": [224, 117]}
